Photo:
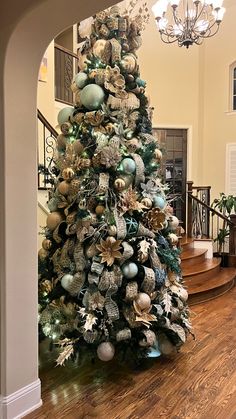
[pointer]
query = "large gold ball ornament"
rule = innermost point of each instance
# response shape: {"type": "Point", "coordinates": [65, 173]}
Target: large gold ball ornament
{"type": "Point", "coordinates": [42, 254]}
{"type": "Point", "coordinates": [53, 220]}
{"type": "Point", "coordinates": [147, 202]}
{"type": "Point", "coordinates": [63, 187]}
{"type": "Point", "coordinates": [46, 244]}
{"type": "Point", "coordinates": [133, 144]}
{"type": "Point", "coordinates": [100, 209]}
{"type": "Point", "coordinates": [143, 300]}
{"type": "Point", "coordinates": [180, 292]}
{"type": "Point", "coordinates": [99, 47]}
{"type": "Point", "coordinates": [105, 351]}
{"type": "Point", "coordinates": [129, 62]}
{"type": "Point", "coordinates": [119, 184]}
{"type": "Point", "coordinates": [68, 173]}
{"type": "Point", "coordinates": [173, 238]}
{"type": "Point", "coordinates": [78, 147]}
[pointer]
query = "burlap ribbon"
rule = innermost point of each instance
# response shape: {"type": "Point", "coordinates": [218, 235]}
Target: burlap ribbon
{"type": "Point", "coordinates": [148, 284]}
{"type": "Point", "coordinates": [103, 183]}
{"type": "Point", "coordinates": [145, 232]}
{"type": "Point", "coordinates": [127, 253]}
{"type": "Point", "coordinates": [123, 334]}
{"type": "Point", "coordinates": [131, 291]}
{"type": "Point", "coordinates": [80, 261]}
{"type": "Point", "coordinates": [110, 305]}
{"type": "Point", "coordinates": [120, 225]}
{"type": "Point", "coordinates": [77, 283]}
{"type": "Point", "coordinates": [115, 50]}
{"type": "Point", "coordinates": [139, 173]}
{"type": "Point", "coordinates": [154, 258]}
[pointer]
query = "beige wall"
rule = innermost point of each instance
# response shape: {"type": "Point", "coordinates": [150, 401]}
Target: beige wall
{"type": "Point", "coordinates": [219, 127]}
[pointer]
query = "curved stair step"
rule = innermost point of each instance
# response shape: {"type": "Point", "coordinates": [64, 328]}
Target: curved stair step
{"type": "Point", "coordinates": [186, 243]}
{"type": "Point", "coordinates": [206, 290]}
{"type": "Point", "coordinates": [204, 270]}
{"type": "Point", "coordinates": [192, 256]}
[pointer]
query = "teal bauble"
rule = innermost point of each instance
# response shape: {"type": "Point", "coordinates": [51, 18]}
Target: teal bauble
{"type": "Point", "coordinates": [159, 202]}
{"type": "Point", "coordinates": [92, 96]}
{"type": "Point", "coordinates": [66, 281]}
{"type": "Point", "coordinates": [81, 79]}
{"type": "Point", "coordinates": [131, 226]}
{"type": "Point", "coordinates": [128, 165]}
{"type": "Point", "coordinates": [64, 114]}
{"type": "Point", "coordinates": [140, 82]}
{"type": "Point", "coordinates": [129, 270]}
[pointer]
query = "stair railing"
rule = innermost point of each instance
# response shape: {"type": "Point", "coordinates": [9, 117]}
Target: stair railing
{"type": "Point", "coordinates": [201, 213]}
{"type": "Point", "coordinates": [46, 145]}
{"type": "Point", "coordinates": [66, 66]}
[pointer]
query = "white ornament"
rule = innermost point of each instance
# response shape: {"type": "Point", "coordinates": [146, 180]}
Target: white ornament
{"type": "Point", "coordinates": [66, 281]}
{"type": "Point", "coordinates": [85, 27]}
{"type": "Point", "coordinates": [173, 222]}
{"type": "Point", "coordinates": [130, 270]}
{"type": "Point", "coordinates": [105, 351]}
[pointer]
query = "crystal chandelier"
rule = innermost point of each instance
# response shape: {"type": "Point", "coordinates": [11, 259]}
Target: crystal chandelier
{"type": "Point", "coordinates": [191, 21]}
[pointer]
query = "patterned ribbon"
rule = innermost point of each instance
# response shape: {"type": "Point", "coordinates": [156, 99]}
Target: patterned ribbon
{"type": "Point", "coordinates": [148, 284]}
{"type": "Point", "coordinates": [120, 225]}
{"type": "Point", "coordinates": [140, 168]}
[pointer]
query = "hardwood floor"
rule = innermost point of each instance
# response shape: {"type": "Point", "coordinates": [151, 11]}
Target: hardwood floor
{"type": "Point", "coordinates": [198, 383]}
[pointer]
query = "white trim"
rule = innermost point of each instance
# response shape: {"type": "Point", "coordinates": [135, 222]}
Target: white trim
{"type": "Point", "coordinates": [229, 147]}
{"type": "Point", "coordinates": [22, 402]}
{"type": "Point", "coordinates": [189, 129]}
{"type": "Point", "coordinates": [43, 208]}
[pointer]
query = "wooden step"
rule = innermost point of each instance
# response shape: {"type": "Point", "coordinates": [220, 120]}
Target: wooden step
{"type": "Point", "coordinates": [186, 243]}
{"type": "Point", "coordinates": [201, 271]}
{"type": "Point", "coordinates": [208, 289]}
{"type": "Point", "coordinates": [192, 256]}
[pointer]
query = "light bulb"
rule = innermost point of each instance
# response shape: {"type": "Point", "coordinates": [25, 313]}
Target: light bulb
{"type": "Point", "coordinates": [202, 25]}
{"type": "Point", "coordinates": [219, 14]}
{"type": "Point", "coordinates": [191, 13]}
{"type": "Point", "coordinates": [174, 3]}
{"type": "Point", "coordinates": [217, 3]}
{"type": "Point", "coordinates": [178, 29]}
{"type": "Point", "coordinates": [159, 8]}
{"type": "Point", "coordinates": [163, 24]}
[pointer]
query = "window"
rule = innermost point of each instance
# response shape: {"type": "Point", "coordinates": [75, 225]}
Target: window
{"type": "Point", "coordinates": [232, 101]}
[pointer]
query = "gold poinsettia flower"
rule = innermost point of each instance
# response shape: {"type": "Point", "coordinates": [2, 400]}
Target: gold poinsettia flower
{"type": "Point", "coordinates": [129, 202]}
{"type": "Point", "coordinates": [144, 316]}
{"type": "Point", "coordinates": [155, 219]}
{"type": "Point", "coordinates": [109, 249]}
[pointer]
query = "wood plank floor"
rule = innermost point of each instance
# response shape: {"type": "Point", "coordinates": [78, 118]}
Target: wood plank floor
{"type": "Point", "coordinates": [199, 383]}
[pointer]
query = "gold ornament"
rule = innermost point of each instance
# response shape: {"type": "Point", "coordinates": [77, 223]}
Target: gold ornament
{"type": "Point", "coordinates": [173, 238]}
{"type": "Point", "coordinates": [79, 117]}
{"type": "Point", "coordinates": [53, 220]}
{"type": "Point", "coordinates": [142, 301]}
{"type": "Point", "coordinates": [42, 254]}
{"type": "Point", "coordinates": [100, 209]}
{"type": "Point", "coordinates": [78, 147]}
{"type": "Point", "coordinates": [109, 249]}
{"type": "Point", "coordinates": [46, 244]}
{"type": "Point", "coordinates": [133, 145]}
{"type": "Point", "coordinates": [66, 128]}
{"type": "Point", "coordinates": [110, 156]}
{"type": "Point", "coordinates": [129, 63]}
{"type": "Point", "coordinates": [119, 184]}
{"type": "Point", "coordinates": [147, 202]}
{"type": "Point", "coordinates": [112, 230]}
{"type": "Point", "coordinates": [63, 187]}
{"type": "Point", "coordinates": [68, 173]}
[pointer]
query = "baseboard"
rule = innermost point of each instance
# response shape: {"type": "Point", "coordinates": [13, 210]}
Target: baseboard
{"type": "Point", "coordinates": [22, 402]}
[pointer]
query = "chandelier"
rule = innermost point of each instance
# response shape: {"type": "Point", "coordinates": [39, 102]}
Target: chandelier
{"type": "Point", "coordinates": [191, 21]}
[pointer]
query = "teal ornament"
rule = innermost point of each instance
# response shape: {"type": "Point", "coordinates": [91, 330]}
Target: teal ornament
{"type": "Point", "coordinates": [52, 204]}
{"type": "Point", "coordinates": [129, 270]}
{"type": "Point", "coordinates": [65, 114]}
{"type": "Point", "coordinates": [66, 281]}
{"type": "Point", "coordinates": [131, 226]}
{"type": "Point", "coordinates": [92, 96]}
{"type": "Point", "coordinates": [140, 82]}
{"type": "Point", "coordinates": [128, 165]}
{"type": "Point", "coordinates": [154, 351]}
{"type": "Point", "coordinates": [159, 202]}
{"type": "Point", "coordinates": [81, 79]}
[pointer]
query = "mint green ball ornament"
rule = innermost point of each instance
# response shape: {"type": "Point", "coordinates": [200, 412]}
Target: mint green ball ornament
{"type": "Point", "coordinates": [128, 165]}
{"type": "Point", "coordinates": [81, 79]}
{"type": "Point", "coordinates": [92, 96]}
{"type": "Point", "coordinates": [159, 202]}
{"type": "Point", "coordinates": [64, 114]}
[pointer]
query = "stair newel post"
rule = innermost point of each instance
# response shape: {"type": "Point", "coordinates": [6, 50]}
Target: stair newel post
{"type": "Point", "coordinates": [232, 241]}
{"type": "Point", "coordinates": [189, 208]}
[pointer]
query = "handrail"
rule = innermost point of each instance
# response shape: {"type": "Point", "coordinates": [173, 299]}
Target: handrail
{"type": "Point", "coordinates": [211, 209]}
{"type": "Point", "coordinates": [45, 122]}
{"type": "Point", "coordinates": [67, 51]}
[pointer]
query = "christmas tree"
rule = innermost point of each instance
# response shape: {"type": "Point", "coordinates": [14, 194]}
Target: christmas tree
{"type": "Point", "coordinates": [109, 268]}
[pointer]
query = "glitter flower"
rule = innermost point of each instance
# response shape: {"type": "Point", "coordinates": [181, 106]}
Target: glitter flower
{"type": "Point", "coordinates": [110, 156]}
{"type": "Point", "coordinates": [155, 219]}
{"type": "Point", "coordinates": [109, 249]}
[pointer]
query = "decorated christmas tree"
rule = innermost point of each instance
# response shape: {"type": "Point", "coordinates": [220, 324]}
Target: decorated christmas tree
{"type": "Point", "coordinates": [109, 268]}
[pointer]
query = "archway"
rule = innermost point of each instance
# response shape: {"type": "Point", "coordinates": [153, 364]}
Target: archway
{"type": "Point", "coordinates": [27, 29]}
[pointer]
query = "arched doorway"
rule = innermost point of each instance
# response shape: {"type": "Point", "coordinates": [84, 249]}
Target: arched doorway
{"type": "Point", "coordinates": [27, 28]}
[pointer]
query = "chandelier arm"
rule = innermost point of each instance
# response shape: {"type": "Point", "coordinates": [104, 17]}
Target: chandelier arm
{"type": "Point", "coordinates": [168, 41]}
{"type": "Point", "coordinates": [211, 34]}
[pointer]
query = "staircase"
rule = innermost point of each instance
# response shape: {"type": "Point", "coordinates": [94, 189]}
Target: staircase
{"type": "Point", "coordinates": [204, 278]}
